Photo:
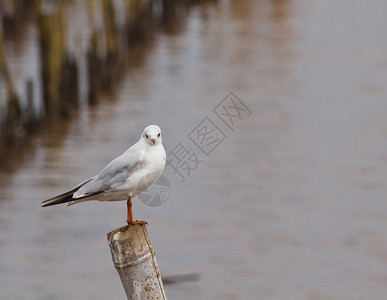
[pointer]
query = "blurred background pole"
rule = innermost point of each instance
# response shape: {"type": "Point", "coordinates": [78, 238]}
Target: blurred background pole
{"type": "Point", "coordinates": [4, 70]}
{"type": "Point", "coordinates": [135, 261]}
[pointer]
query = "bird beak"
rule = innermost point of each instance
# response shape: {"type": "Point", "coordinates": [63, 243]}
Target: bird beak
{"type": "Point", "coordinates": [153, 140]}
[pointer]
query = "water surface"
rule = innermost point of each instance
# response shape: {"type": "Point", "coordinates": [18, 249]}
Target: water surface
{"type": "Point", "coordinates": [292, 205]}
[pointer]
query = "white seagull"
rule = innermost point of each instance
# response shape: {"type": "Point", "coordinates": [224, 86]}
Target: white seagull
{"type": "Point", "coordinates": [124, 177]}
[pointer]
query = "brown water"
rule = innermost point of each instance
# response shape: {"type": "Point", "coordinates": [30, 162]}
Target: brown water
{"type": "Point", "coordinates": [292, 205]}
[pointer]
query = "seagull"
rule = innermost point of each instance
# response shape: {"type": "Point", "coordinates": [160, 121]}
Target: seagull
{"type": "Point", "coordinates": [124, 177]}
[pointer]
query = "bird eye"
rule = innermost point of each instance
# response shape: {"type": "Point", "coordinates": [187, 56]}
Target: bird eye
{"type": "Point", "coordinates": [158, 135]}
{"type": "Point", "coordinates": [146, 136]}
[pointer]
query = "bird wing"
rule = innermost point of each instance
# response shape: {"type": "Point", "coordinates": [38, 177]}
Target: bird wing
{"type": "Point", "coordinates": [112, 176]}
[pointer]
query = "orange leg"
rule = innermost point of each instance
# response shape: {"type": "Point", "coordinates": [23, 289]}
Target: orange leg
{"type": "Point", "coordinates": [130, 214]}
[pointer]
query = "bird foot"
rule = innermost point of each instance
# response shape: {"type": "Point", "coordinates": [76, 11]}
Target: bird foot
{"type": "Point", "coordinates": [141, 222]}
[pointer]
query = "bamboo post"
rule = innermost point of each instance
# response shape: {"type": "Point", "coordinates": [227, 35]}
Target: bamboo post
{"type": "Point", "coordinates": [135, 261]}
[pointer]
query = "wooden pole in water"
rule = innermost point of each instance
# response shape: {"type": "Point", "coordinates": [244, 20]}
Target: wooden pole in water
{"type": "Point", "coordinates": [135, 260]}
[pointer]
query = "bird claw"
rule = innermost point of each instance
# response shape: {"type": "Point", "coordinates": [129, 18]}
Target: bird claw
{"type": "Point", "coordinates": [141, 222]}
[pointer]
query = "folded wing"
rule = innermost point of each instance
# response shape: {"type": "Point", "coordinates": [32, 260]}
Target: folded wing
{"type": "Point", "coordinates": [110, 178]}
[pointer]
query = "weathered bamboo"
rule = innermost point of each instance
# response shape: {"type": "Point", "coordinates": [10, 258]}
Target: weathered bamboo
{"type": "Point", "coordinates": [135, 261]}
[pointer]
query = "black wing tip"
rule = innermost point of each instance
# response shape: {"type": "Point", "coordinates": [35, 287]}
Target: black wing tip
{"type": "Point", "coordinates": [65, 197]}
{"type": "Point", "coordinates": [58, 200]}
{"type": "Point", "coordinates": [48, 204]}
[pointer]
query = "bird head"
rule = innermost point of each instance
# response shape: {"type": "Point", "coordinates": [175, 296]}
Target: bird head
{"type": "Point", "coordinates": [152, 135]}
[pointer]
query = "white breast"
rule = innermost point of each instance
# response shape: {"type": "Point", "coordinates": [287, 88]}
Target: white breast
{"type": "Point", "coordinates": [154, 163]}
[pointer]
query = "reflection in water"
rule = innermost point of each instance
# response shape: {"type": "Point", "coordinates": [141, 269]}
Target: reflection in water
{"type": "Point", "coordinates": [119, 35]}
